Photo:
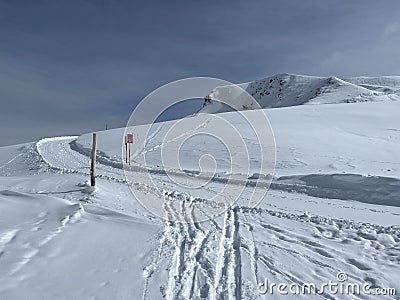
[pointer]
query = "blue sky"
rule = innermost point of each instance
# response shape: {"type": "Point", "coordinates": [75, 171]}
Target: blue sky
{"type": "Point", "coordinates": [68, 67]}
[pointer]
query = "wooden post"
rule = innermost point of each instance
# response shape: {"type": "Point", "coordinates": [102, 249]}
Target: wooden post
{"type": "Point", "coordinates": [126, 152]}
{"type": "Point", "coordinates": [129, 154]}
{"type": "Point", "coordinates": [93, 161]}
{"type": "Point", "coordinates": [128, 141]}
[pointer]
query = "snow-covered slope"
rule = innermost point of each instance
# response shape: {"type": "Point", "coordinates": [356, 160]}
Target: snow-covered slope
{"type": "Point", "coordinates": [385, 84]}
{"type": "Point", "coordinates": [285, 90]}
{"type": "Point", "coordinates": [333, 207]}
{"type": "Point", "coordinates": [357, 138]}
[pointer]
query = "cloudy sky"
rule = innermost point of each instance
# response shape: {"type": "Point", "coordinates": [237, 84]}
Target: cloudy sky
{"type": "Point", "coordinates": [68, 67]}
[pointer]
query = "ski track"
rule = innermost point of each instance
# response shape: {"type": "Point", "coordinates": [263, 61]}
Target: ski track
{"type": "Point", "coordinates": [11, 160]}
{"type": "Point", "coordinates": [196, 271]}
{"type": "Point", "coordinates": [187, 133]}
{"type": "Point", "coordinates": [228, 266]}
{"type": "Point", "coordinates": [189, 243]}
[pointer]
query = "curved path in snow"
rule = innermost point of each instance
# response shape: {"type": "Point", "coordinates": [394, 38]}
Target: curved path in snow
{"type": "Point", "coordinates": [57, 153]}
{"type": "Point", "coordinates": [227, 257]}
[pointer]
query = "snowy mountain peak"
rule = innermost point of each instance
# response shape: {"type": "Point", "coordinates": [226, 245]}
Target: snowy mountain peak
{"type": "Point", "coordinates": [283, 90]}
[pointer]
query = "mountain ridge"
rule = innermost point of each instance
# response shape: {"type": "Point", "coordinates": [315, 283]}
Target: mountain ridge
{"type": "Point", "coordinates": [283, 90]}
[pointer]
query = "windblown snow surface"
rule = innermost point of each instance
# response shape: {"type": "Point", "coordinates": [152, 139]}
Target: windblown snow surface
{"type": "Point", "coordinates": [333, 206]}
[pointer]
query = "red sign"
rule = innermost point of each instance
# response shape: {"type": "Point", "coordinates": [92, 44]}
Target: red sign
{"type": "Point", "coordinates": [129, 138]}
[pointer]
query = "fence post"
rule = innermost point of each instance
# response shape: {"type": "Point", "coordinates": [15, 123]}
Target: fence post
{"type": "Point", "coordinates": [93, 161]}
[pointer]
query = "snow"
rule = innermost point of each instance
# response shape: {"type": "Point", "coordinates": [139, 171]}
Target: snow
{"type": "Point", "coordinates": [61, 251]}
{"type": "Point", "coordinates": [285, 90]}
{"type": "Point", "coordinates": [355, 138]}
{"type": "Point", "coordinates": [333, 205]}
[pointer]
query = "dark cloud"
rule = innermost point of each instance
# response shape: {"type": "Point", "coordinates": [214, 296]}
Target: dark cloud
{"type": "Point", "coordinates": [68, 67]}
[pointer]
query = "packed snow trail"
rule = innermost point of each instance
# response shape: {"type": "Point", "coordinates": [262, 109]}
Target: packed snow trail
{"type": "Point", "coordinates": [57, 153]}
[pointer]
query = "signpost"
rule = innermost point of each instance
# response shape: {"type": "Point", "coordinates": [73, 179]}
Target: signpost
{"type": "Point", "coordinates": [128, 142]}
